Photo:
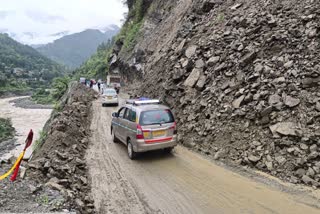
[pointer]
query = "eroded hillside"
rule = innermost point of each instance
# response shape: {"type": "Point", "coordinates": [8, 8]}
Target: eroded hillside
{"type": "Point", "coordinates": [242, 78]}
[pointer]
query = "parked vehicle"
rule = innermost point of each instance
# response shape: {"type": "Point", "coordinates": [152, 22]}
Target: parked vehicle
{"type": "Point", "coordinates": [82, 80]}
{"type": "Point", "coordinates": [110, 97]}
{"type": "Point", "coordinates": [114, 81]}
{"type": "Point", "coordinates": [144, 125]}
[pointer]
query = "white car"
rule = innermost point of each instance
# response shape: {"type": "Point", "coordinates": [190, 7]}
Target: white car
{"type": "Point", "coordinates": [110, 97]}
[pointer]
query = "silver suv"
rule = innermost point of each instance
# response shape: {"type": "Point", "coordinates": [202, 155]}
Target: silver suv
{"type": "Point", "coordinates": [144, 125]}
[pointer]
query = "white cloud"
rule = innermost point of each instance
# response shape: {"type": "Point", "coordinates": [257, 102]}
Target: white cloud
{"type": "Point", "coordinates": [33, 21]}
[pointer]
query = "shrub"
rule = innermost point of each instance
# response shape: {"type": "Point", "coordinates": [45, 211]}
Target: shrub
{"type": "Point", "coordinates": [6, 129]}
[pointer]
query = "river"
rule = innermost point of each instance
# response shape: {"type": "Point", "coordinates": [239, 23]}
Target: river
{"type": "Point", "coordinates": [23, 120]}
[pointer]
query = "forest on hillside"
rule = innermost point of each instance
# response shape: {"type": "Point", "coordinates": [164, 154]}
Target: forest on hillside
{"type": "Point", "coordinates": [22, 67]}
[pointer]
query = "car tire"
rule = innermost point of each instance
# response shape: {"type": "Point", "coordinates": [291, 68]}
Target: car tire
{"type": "Point", "coordinates": [114, 138]}
{"type": "Point", "coordinates": [168, 150]}
{"type": "Point", "coordinates": [132, 154]}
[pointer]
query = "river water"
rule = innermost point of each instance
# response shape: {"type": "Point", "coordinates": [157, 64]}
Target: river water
{"type": "Point", "coordinates": [23, 120]}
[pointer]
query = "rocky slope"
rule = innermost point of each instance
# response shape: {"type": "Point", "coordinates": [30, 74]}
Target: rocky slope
{"type": "Point", "coordinates": [242, 78]}
{"type": "Point", "coordinates": [60, 160]}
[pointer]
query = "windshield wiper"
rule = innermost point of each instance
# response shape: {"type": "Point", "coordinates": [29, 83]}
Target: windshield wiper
{"type": "Point", "coordinates": [160, 123]}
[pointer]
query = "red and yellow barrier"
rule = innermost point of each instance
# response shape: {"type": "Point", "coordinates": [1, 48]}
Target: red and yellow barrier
{"type": "Point", "coordinates": [16, 165]}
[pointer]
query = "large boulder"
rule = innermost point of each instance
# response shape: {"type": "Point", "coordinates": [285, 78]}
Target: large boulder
{"type": "Point", "coordinates": [190, 52]}
{"type": "Point", "coordinates": [193, 77]}
{"type": "Point", "coordinates": [285, 128]}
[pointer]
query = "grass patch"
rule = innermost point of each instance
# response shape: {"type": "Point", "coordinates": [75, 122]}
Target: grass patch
{"type": "Point", "coordinates": [220, 17]}
{"type": "Point", "coordinates": [37, 144]}
{"type": "Point", "coordinates": [43, 199]}
{"type": "Point", "coordinates": [58, 88]}
{"type": "Point", "coordinates": [57, 107]}
{"type": "Point", "coordinates": [130, 30]}
{"type": "Point", "coordinates": [6, 129]}
{"type": "Point", "coordinates": [42, 96]}
{"type": "Point", "coordinates": [131, 35]}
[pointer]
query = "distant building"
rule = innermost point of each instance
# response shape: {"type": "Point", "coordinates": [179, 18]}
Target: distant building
{"type": "Point", "coordinates": [18, 71]}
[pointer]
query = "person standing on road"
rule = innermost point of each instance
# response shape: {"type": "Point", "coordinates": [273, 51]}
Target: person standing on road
{"type": "Point", "coordinates": [99, 85]}
{"type": "Point", "coordinates": [91, 83]}
{"type": "Point", "coordinates": [102, 87]}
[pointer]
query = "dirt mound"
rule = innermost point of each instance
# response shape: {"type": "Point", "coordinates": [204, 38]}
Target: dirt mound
{"type": "Point", "coordinates": [243, 79]}
{"type": "Point", "coordinates": [60, 162]}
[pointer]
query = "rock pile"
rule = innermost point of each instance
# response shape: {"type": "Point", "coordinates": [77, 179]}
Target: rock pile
{"type": "Point", "coordinates": [243, 80]}
{"type": "Point", "coordinates": [60, 162]}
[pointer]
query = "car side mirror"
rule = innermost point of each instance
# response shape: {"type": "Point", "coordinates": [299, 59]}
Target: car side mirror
{"type": "Point", "coordinates": [115, 114]}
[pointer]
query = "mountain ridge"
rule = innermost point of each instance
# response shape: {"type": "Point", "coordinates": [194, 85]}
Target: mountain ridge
{"type": "Point", "coordinates": [74, 49]}
{"type": "Point", "coordinates": [21, 66]}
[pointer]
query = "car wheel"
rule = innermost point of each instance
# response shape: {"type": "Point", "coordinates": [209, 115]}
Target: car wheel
{"type": "Point", "coordinates": [114, 138]}
{"type": "Point", "coordinates": [132, 154]}
{"type": "Point", "coordinates": [168, 150]}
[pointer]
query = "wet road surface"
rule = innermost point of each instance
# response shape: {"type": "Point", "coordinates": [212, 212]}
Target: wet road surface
{"type": "Point", "coordinates": [181, 182]}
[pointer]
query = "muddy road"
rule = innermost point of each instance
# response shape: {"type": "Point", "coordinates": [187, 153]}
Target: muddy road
{"type": "Point", "coordinates": [181, 182]}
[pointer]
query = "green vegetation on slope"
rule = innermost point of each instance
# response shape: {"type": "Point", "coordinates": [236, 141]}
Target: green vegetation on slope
{"type": "Point", "coordinates": [51, 96]}
{"type": "Point", "coordinates": [97, 65]}
{"type": "Point", "coordinates": [22, 68]}
{"type": "Point", "coordinates": [6, 129]}
{"type": "Point", "coordinates": [13, 54]}
{"type": "Point", "coordinates": [130, 30]}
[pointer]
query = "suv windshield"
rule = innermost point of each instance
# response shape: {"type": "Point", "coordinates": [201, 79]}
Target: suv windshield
{"type": "Point", "coordinates": [110, 92]}
{"type": "Point", "coordinates": [156, 117]}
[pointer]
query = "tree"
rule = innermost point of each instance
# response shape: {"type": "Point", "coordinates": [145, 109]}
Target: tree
{"type": "Point", "coordinates": [59, 87]}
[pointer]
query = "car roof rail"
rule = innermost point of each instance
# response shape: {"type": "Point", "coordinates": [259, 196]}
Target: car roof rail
{"type": "Point", "coordinates": [138, 102]}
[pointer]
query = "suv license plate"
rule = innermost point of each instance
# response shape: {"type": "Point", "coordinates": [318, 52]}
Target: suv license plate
{"type": "Point", "coordinates": [158, 133]}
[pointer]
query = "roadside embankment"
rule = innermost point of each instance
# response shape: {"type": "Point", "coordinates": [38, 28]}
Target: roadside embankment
{"type": "Point", "coordinates": [60, 160]}
{"type": "Point", "coordinates": [55, 178]}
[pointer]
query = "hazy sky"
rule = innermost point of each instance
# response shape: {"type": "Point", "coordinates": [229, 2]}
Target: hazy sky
{"type": "Point", "coordinates": [41, 21]}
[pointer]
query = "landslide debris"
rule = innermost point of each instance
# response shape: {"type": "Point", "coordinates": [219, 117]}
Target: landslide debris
{"type": "Point", "coordinates": [242, 78]}
{"type": "Point", "coordinates": [60, 161]}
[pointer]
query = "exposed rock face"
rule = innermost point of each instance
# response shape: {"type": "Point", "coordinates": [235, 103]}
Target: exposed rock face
{"type": "Point", "coordinates": [260, 69]}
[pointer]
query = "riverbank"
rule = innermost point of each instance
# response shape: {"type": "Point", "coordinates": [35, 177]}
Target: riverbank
{"type": "Point", "coordinates": [23, 119]}
{"type": "Point", "coordinates": [24, 115]}
{"type": "Point", "coordinates": [6, 129]}
{"type": "Point", "coordinates": [56, 177]}
{"type": "Point", "coordinates": [28, 103]}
